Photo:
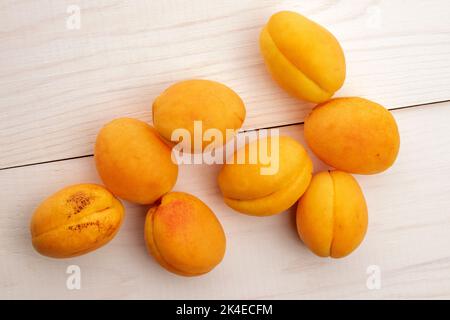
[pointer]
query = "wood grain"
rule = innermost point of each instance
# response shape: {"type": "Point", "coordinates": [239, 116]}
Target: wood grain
{"type": "Point", "coordinates": [58, 86]}
{"type": "Point", "coordinates": [408, 235]}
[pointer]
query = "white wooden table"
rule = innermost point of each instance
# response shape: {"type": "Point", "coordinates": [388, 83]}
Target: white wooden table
{"type": "Point", "coordinates": [59, 85]}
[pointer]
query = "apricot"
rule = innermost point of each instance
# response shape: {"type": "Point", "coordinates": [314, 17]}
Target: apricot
{"type": "Point", "coordinates": [184, 235]}
{"type": "Point", "coordinates": [75, 220]}
{"type": "Point", "coordinates": [353, 135]}
{"type": "Point", "coordinates": [332, 215]}
{"type": "Point", "coordinates": [213, 104]}
{"type": "Point", "coordinates": [133, 162]}
{"type": "Point", "coordinates": [248, 189]}
{"type": "Point", "coordinates": [303, 57]}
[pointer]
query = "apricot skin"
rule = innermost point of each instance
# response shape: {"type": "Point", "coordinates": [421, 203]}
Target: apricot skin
{"type": "Point", "coordinates": [353, 135]}
{"type": "Point", "coordinates": [212, 103]}
{"type": "Point", "coordinates": [332, 215]}
{"type": "Point", "coordinates": [303, 57]}
{"type": "Point", "coordinates": [133, 162]}
{"type": "Point", "coordinates": [184, 235]}
{"type": "Point", "coordinates": [248, 191]}
{"type": "Point", "coordinates": [75, 220]}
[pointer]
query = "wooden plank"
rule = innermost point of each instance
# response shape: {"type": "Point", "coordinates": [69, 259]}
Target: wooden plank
{"type": "Point", "coordinates": [407, 239]}
{"type": "Point", "coordinates": [58, 86]}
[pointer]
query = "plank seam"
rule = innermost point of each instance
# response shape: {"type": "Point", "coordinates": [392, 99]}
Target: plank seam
{"type": "Point", "coordinates": [246, 130]}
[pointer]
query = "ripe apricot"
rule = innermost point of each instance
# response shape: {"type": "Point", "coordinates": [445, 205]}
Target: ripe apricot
{"type": "Point", "coordinates": [303, 57]}
{"type": "Point", "coordinates": [247, 189]}
{"type": "Point", "coordinates": [353, 135]}
{"type": "Point", "coordinates": [184, 235]}
{"type": "Point", "coordinates": [75, 220]}
{"type": "Point", "coordinates": [133, 162]}
{"type": "Point", "coordinates": [212, 104]}
{"type": "Point", "coordinates": [332, 215]}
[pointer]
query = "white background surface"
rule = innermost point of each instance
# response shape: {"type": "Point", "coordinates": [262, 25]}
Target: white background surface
{"type": "Point", "coordinates": [59, 86]}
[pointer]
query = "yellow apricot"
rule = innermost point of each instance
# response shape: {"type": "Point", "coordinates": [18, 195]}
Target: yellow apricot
{"type": "Point", "coordinates": [353, 135]}
{"type": "Point", "coordinates": [184, 235]}
{"type": "Point", "coordinates": [303, 57]}
{"type": "Point", "coordinates": [214, 104]}
{"type": "Point", "coordinates": [247, 189]}
{"type": "Point", "coordinates": [332, 215]}
{"type": "Point", "coordinates": [75, 220]}
{"type": "Point", "coordinates": [133, 162]}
